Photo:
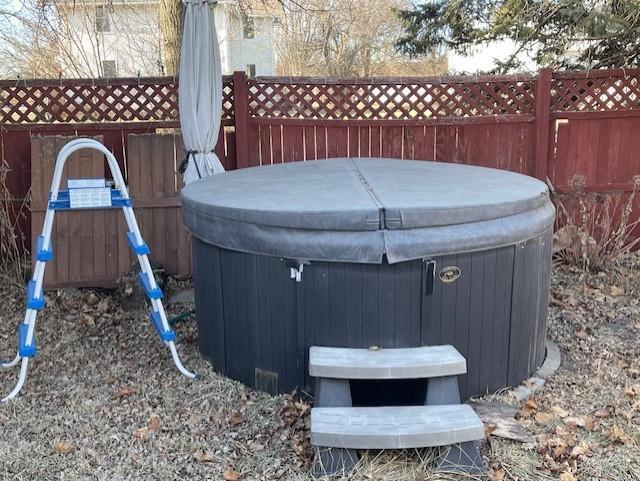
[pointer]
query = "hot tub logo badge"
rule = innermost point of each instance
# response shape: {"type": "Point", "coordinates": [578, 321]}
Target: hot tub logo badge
{"type": "Point", "coordinates": [449, 274]}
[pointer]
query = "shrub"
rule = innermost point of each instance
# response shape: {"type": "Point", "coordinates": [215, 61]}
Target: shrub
{"type": "Point", "coordinates": [12, 242]}
{"type": "Point", "coordinates": [595, 230]}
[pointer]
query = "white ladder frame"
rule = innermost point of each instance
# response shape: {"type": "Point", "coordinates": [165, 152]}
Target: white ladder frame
{"type": "Point", "coordinates": [38, 272]}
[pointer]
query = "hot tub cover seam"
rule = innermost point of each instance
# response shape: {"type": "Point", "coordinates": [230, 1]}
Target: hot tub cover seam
{"type": "Point", "coordinates": [370, 190]}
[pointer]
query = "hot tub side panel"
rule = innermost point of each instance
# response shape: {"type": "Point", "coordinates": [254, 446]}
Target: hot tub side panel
{"type": "Point", "coordinates": [256, 323]}
{"type": "Point", "coordinates": [360, 305]}
{"type": "Point", "coordinates": [207, 275]}
{"type": "Point", "coordinates": [494, 313]}
{"type": "Point", "coordinates": [530, 298]}
{"type": "Point", "coordinates": [473, 313]}
{"type": "Point", "coordinates": [247, 326]}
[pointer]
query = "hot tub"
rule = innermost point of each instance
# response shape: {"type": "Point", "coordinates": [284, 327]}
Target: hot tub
{"type": "Point", "coordinates": [370, 252]}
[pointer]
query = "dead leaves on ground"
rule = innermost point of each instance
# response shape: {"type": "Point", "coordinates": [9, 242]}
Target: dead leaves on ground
{"type": "Point", "coordinates": [154, 422]}
{"type": "Point", "coordinates": [616, 435]}
{"type": "Point", "coordinates": [567, 439]}
{"type": "Point", "coordinates": [565, 442]}
{"type": "Point", "coordinates": [236, 418]}
{"type": "Point", "coordinates": [231, 475]}
{"type": "Point", "coordinates": [62, 447]}
{"type": "Point", "coordinates": [543, 418]}
{"type": "Point", "coordinates": [581, 449]}
{"type": "Point", "coordinates": [123, 392]}
{"type": "Point", "coordinates": [529, 408]}
{"type": "Point", "coordinates": [202, 456]}
{"type": "Point", "coordinates": [586, 422]}
{"type": "Point", "coordinates": [142, 434]}
{"type": "Point", "coordinates": [558, 414]}
{"type": "Point", "coordinates": [498, 475]}
{"type": "Point", "coordinates": [631, 392]}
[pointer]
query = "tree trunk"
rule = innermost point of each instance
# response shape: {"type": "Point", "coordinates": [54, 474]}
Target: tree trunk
{"type": "Point", "coordinates": [171, 26]}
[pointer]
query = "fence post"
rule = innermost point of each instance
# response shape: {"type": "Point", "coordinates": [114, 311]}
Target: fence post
{"type": "Point", "coordinates": [241, 118]}
{"type": "Point", "coordinates": [543, 114]}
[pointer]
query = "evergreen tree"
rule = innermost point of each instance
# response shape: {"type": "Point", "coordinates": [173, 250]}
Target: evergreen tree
{"type": "Point", "coordinates": [571, 34]}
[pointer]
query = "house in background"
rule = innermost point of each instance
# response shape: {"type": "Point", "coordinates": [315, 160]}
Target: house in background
{"type": "Point", "coordinates": [122, 38]}
{"type": "Point", "coordinates": [109, 38]}
{"type": "Point", "coordinates": [246, 38]}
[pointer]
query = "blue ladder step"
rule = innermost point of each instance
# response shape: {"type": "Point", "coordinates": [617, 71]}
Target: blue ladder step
{"type": "Point", "coordinates": [139, 249]}
{"type": "Point", "coordinates": [167, 336]}
{"type": "Point", "coordinates": [33, 302]}
{"type": "Point", "coordinates": [42, 254]}
{"type": "Point", "coordinates": [146, 286]}
{"type": "Point", "coordinates": [63, 202]}
{"type": "Point", "coordinates": [23, 349]}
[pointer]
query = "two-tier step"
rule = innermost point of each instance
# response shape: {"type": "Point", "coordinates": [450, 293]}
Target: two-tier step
{"type": "Point", "coordinates": [338, 428]}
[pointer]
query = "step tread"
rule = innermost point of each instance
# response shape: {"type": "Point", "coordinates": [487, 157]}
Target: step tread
{"type": "Point", "coordinates": [396, 427]}
{"type": "Point", "coordinates": [394, 363]}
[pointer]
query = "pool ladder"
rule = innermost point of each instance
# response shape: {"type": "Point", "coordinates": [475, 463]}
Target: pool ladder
{"type": "Point", "coordinates": [61, 200]}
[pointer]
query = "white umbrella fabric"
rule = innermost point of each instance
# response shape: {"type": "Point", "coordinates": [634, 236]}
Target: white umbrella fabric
{"type": "Point", "coordinates": [200, 90]}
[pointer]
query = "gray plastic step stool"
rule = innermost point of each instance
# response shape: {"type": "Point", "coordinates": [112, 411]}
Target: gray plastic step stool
{"type": "Point", "coordinates": [338, 428]}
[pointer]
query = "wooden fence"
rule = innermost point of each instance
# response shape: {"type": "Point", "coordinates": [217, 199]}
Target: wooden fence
{"type": "Point", "coordinates": [551, 125]}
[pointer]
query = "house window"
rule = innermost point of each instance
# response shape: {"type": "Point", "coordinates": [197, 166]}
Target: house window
{"type": "Point", "coordinates": [109, 69]}
{"type": "Point", "coordinates": [248, 27]}
{"type": "Point", "coordinates": [102, 19]}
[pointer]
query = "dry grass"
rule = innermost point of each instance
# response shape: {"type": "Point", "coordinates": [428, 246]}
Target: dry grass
{"type": "Point", "coordinates": [403, 465]}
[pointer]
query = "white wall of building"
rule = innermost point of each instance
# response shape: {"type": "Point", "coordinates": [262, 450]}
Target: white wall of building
{"type": "Point", "coordinates": [134, 40]}
{"type": "Point", "coordinates": [237, 51]}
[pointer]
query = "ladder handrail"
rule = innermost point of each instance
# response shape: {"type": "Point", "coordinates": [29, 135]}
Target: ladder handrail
{"type": "Point", "coordinates": [86, 143]}
{"type": "Point", "coordinates": [64, 154]}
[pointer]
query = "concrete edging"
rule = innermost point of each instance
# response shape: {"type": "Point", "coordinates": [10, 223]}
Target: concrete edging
{"type": "Point", "coordinates": [549, 367]}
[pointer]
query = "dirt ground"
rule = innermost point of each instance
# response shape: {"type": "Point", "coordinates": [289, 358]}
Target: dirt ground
{"type": "Point", "coordinates": [104, 402]}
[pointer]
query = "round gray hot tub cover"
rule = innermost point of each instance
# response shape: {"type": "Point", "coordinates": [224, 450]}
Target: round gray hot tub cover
{"type": "Point", "coordinates": [360, 210]}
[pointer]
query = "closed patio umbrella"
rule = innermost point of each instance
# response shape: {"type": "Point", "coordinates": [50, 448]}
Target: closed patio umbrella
{"type": "Point", "coordinates": [200, 91]}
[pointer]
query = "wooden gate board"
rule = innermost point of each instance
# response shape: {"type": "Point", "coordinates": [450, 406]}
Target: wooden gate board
{"type": "Point", "coordinates": [154, 184]}
{"type": "Point", "coordinates": [90, 247]}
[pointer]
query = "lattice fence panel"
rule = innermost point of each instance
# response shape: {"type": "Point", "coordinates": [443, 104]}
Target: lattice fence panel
{"type": "Point", "coordinates": [82, 101]}
{"type": "Point", "coordinates": [401, 101]}
{"type": "Point", "coordinates": [595, 94]}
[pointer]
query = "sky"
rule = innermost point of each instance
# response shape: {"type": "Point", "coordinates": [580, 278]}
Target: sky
{"type": "Point", "coordinates": [481, 59]}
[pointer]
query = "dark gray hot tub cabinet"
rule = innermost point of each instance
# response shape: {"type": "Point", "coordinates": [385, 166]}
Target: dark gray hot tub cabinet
{"type": "Point", "coordinates": [393, 253]}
